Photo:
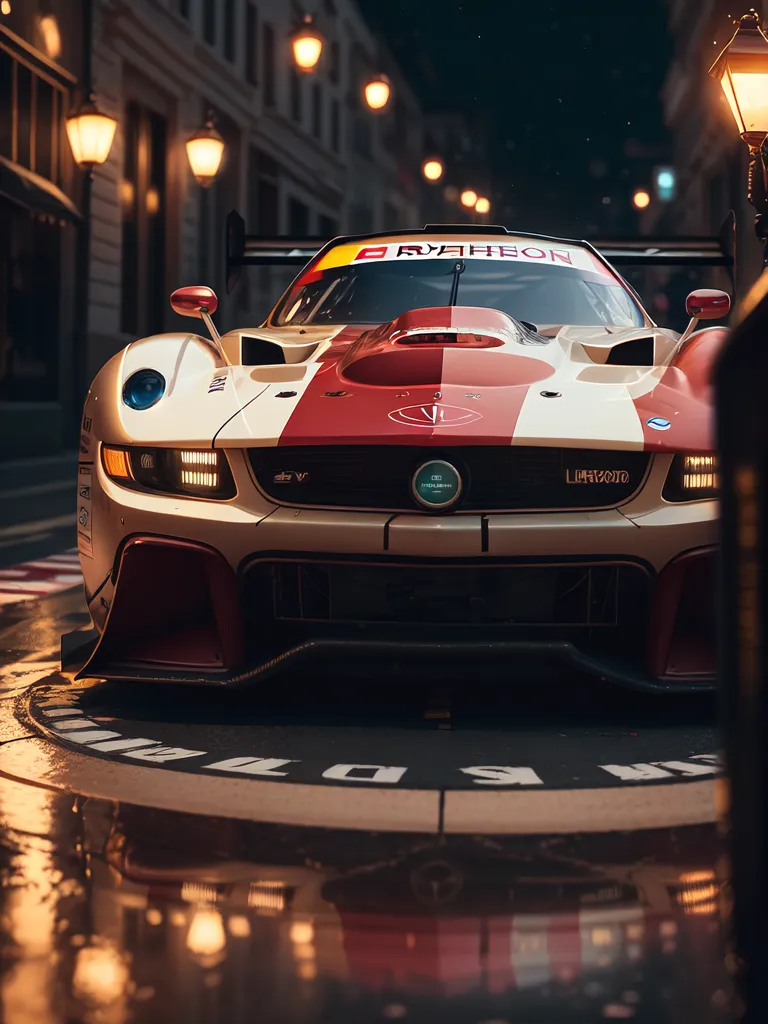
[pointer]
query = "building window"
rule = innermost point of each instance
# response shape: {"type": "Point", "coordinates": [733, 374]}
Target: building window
{"type": "Point", "coordinates": [335, 125]}
{"type": "Point", "coordinates": [209, 22]}
{"type": "Point", "coordinates": [269, 65]}
{"type": "Point", "coordinates": [327, 227]}
{"type": "Point", "coordinates": [317, 110]}
{"type": "Point", "coordinates": [142, 199]}
{"type": "Point", "coordinates": [230, 48]}
{"type": "Point", "coordinates": [298, 218]}
{"type": "Point", "coordinates": [251, 44]}
{"type": "Point", "coordinates": [295, 89]}
{"type": "Point", "coordinates": [334, 63]}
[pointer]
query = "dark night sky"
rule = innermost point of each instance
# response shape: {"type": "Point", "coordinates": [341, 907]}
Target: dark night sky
{"type": "Point", "coordinates": [557, 88]}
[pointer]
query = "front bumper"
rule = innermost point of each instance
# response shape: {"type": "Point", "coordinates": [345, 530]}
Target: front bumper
{"type": "Point", "coordinates": [166, 585]}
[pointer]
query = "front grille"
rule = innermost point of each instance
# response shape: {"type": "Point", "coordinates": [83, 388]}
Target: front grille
{"type": "Point", "coordinates": [499, 477]}
{"type": "Point", "coordinates": [301, 599]}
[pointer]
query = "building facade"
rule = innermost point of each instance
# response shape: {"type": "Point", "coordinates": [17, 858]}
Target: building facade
{"type": "Point", "coordinates": [41, 66]}
{"type": "Point", "coordinates": [303, 155]}
{"type": "Point", "coordinates": [709, 158]}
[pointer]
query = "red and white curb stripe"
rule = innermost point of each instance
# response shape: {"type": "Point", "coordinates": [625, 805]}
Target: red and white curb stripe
{"type": "Point", "coordinates": [40, 578]}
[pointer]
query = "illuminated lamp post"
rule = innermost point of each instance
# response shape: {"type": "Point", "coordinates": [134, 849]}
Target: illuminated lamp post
{"type": "Point", "coordinates": [742, 70]}
{"type": "Point", "coordinates": [205, 150]}
{"type": "Point", "coordinates": [377, 92]}
{"type": "Point", "coordinates": [307, 45]}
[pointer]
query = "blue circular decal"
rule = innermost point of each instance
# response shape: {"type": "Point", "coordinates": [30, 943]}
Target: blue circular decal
{"type": "Point", "coordinates": [143, 389]}
{"type": "Point", "coordinates": [658, 423]}
{"type": "Point", "coordinates": [436, 484]}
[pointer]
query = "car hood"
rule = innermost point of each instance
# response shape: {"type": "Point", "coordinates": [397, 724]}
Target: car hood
{"type": "Point", "coordinates": [471, 376]}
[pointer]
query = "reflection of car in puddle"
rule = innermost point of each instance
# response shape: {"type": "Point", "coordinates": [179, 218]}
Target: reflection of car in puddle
{"type": "Point", "coordinates": [430, 919]}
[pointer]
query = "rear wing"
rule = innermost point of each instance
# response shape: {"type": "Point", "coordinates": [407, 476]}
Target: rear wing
{"type": "Point", "coordinates": [684, 251]}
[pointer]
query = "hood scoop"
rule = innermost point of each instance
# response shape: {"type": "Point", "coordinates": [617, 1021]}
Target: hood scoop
{"type": "Point", "coordinates": [443, 345]}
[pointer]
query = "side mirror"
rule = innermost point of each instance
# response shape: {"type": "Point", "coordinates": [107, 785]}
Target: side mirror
{"type": "Point", "coordinates": [708, 304]}
{"type": "Point", "coordinates": [705, 304]}
{"type": "Point", "coordinates": [199, 300]}
{"type": "Point", "coordinates": [194, 300]}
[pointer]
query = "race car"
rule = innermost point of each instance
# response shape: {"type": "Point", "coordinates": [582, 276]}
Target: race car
{"type": "Point", "coordinates": [443, 447]}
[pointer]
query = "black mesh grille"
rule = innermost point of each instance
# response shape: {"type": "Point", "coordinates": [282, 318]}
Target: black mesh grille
{"type": "Point", "coordinates": [603, 604]}
{"type": "Point", "coordinates": [494, 477]}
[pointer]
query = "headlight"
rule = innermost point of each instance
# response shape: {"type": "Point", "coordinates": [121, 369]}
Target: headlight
{"type": "Point", "coordinates": [692, 477]}
{"type": "Point", "coordinates": [201, 474]}
{"type": "Point", "coordinates": [143, 389]}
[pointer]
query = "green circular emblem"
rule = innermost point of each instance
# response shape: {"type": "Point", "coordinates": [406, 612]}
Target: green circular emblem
{"type": "Point", "coordinates": [436, 484]}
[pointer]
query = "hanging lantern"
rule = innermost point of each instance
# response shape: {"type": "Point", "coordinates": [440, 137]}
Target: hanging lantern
{"type": "Point", "coordinates": [205, 150]}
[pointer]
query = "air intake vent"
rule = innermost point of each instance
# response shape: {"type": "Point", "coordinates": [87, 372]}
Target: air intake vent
{"type": "Point", "coordinates": [260, 352]}
{"type": "Point", "coordinates": [638, 352]}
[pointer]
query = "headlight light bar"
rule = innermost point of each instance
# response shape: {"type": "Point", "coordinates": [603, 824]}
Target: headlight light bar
{"type": "Point", "coordinates": [199, 474]}
{"type": "Point", "coordinates": [692, 478]}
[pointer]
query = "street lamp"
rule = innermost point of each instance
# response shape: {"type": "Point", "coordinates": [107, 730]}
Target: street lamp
{"type": "Point", "coordinates": [742, 70]}
{"type": "Point", "coordinates": [433, 169]}
{"type": "Point", "coordinates": [90, 134]}
{"type": "Point", "coordinates": [482, 205]}
{"type": "Point", "coordinates": [468, 198]}
{"type": "Point", "coordinates": [377, 92]}
{"type": "Point", "coordinates": [307, 45]}
{"type": "Point", "coordinates": [205, 150]}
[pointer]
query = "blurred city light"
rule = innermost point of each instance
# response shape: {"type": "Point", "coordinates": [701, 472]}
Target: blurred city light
{"type": "Point", "coordinates": [641, 199]}
{"type": "Point", "coordinates": [307, 45]}
{"type": "Point", "coordinates": [482, 205]}
{"type": "Point", "coordinates": [206, 937]}
{"type": "Point", "coordinates": [101, 975]}
{"type": "Point", "coordinates": [468, 198]}
{"type": "Point", "coordinates": [49, 30]}
{"type": "Point", "coordinates": [665, 183]}
{"type": "Point", "coordinates": [377, 92]}
{"type": "Point", "coordinates": [433, 169]}
{"type": "Point", "coordinates": [205, 150]}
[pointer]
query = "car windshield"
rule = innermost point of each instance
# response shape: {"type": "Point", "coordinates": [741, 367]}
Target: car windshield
{"type": "Point", "coordinates": [378, 291]}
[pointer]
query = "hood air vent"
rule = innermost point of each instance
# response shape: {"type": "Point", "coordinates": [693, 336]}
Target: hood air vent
{"type": "Point", "coordinates": [638, 352]}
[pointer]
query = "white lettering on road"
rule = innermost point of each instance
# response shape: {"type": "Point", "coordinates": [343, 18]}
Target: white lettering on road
{"type": "Point", "coordinates": [251, 765]}
{"type": "Point", "coordinates": [381, 773]}
{"type": "Point", "coordinates": [636, 772]}
{"type": "Point", "coordinates": [502, 775]}
{"type": "Point", "coordinates": [163, 754]}
{"type": "Point", "coordinates": [62, 712]}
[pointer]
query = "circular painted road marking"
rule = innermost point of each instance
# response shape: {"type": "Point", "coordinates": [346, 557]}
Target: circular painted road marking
{"type": "Point", "coordinates": [316, 742]}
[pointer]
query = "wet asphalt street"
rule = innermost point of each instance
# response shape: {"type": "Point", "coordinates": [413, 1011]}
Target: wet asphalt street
{"type": "Point", "coordinates": [333, 850]}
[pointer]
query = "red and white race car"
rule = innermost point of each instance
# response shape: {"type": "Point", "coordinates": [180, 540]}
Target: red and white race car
{"type": "Point", "coordinates": [448, 443]}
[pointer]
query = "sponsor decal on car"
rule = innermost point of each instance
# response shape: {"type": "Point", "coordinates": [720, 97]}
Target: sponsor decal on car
{"type": "Point", "coordinates": [432, 416]}
{"type": "Point", "coordinates": [596, 476]}
{"type": "Point", "coordinates": [520, 252]}
{"type": "Point", "coordinates": [217, 384]}
{"type": "Point", "coordinates": [658, 423]}
{"type": "Point", "coordinates": [290, 476]}
{"type": "Point", "coordinates": [84, 523]}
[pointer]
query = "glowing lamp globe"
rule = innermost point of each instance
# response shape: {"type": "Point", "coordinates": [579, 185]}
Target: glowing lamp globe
{"type": "Point", "coordinates": [641, 199]}
{"type": "Point", "coordinates": [377, 92]}
{"type": "Point", "coordinates": [482, 205]}
{"type": "Point", "coordinates": [307, 45]}
{"type": "Point", "coordinates": [433, 169]}
{"type": "Point", "coordinates": [90, 134]}
{"type": "Point", "coordinates": [205, 150]}
{"type": "Point", "coordinates": [742, 70]}
{"type": "Point", "coordinates": [469, 198]}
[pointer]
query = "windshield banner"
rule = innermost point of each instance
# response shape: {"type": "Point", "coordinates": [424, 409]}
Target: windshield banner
{"type": "Point", "coordinates": [519, 252]}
